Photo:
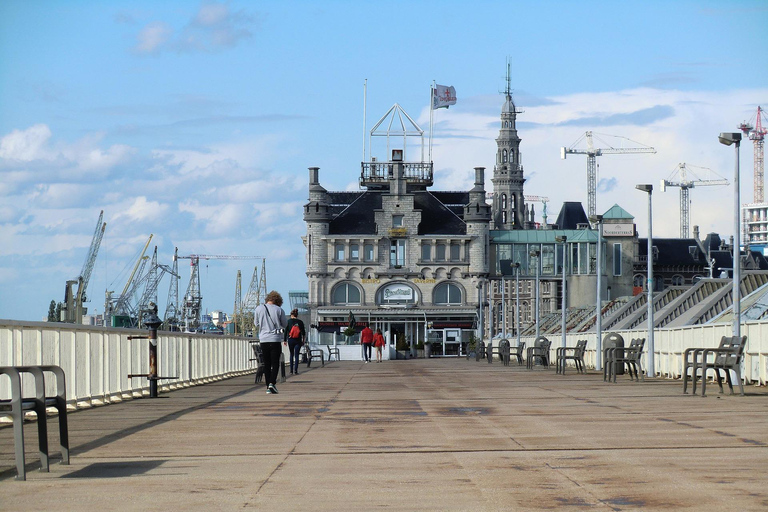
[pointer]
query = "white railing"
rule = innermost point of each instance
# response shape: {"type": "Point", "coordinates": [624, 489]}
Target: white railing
{"type": "Point", "coordinates": [670, 345]}
{"type": "Point", "coordinates": [98, 360]}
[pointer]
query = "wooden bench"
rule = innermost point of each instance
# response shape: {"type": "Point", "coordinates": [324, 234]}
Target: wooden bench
{"type": "Point", "coordinates": [726, 357]}
{"type": "Point", "coordinates": [333, 351]}
{"type": "Point", "coordinates": [16, 406]}
{"type": "Point", "coordinates": [540, 349]}
{"type": "Point", "coordinates": [575, 354]}
{"type": "Point", "coordinates": [616, 357]}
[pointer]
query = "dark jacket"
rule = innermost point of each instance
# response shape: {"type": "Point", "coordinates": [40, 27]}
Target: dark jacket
{"type": "Point", "coordinates": [291, 323]}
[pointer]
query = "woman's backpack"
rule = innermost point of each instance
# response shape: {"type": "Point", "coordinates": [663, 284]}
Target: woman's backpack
{"type": "Point", "coordinates": [295, 332]}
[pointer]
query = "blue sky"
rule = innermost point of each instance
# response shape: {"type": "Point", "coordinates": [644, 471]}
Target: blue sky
{"type": "Point", "coordinates": [196, 121]}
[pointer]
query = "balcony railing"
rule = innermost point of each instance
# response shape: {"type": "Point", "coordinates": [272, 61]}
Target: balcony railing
{"type": "Point", "coordinates": [377, 173]}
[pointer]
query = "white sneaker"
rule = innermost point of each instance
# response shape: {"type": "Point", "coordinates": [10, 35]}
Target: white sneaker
{"type": "Point", "coordinates": [272, 389]}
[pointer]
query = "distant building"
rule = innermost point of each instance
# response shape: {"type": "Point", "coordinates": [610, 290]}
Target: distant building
{"type": "Point", "coordinates": [397, 256]}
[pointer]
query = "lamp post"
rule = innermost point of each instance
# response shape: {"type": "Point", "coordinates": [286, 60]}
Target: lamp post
{"type": "Point", "coordinates": [517, 301]}
{"type": "Point", "coordinates": [729, 139]}
{"type": "Point", "coordinates": [651, 349]}
{"type": "Point", "coordinates": [598, 220]}
{"type": "Point", "coordinates": [535, 254]}
{"type": "Point", "coordinates": [503, 306]}
{"type": "Point", "coordinates": [563, 239]}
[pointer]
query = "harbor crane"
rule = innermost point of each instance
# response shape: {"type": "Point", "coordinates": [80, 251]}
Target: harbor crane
{"type": "Point", "coordinates": [685, 184]}
{"type": "Point", "coordinates": [193, 300]}
{"type": "Point", "coordinates": [72, 309]}
{"type": "Point", "coordinates": [119, 311]}
{"type": "Point", "coordinates": [592, 153]}
{"type": "Point", "coordinates": [756, 134]}
{"type": "Point", "coordinates": [257, 291]}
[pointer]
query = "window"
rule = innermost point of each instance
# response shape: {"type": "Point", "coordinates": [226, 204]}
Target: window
{"type": "Point", "coordinates": [447, 293]}
{"type": "Point", "coordinates": [368, 252]}
{"type": "Point", "coordinates": [455, 251]}
{"type": "Point", "coordinates": [339, 252]}
{"type": "Point", "coordinates": [426, 251]}
{"type": "Point", "coordinates": [548, 259]}
{"type": "Point", "coordinates": [397, 221]}
{"type": "Point", "coordinates": [345, 293]}
{"type": "Point", "coordinates": [504, 216]}
{"type": "Point", "coordinates": [397, 253]}
{"type": "Point", "coordinates": [503, 201]}
{"type": "Point", "coordinates": [504, 156]}
{"type": "Point", "coordinates": [677, 280]}
{"type": "Point", "coordinates": [440, 252]}
{"type": "Point", "coordinates": [354, 252]}
{"type": "Point", "coordinates": [616, 259]}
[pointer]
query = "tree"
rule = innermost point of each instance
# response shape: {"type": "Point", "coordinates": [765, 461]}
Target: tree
{"type": "Point", "coordinates": [52, 311]}
{"type": "Point", "coordinates": [58, 312]}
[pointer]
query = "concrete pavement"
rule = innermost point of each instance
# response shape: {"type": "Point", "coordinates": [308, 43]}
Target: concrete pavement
{"type": "Point", "coordinates": [436, 434]}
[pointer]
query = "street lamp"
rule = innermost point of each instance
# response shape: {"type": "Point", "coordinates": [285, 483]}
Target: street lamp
{"type": "Point", "coordinates": [563, 239]}
{"type": "Point", "coordinates": [535, 254]}
{"type": "Point", "coordinates": [651, 349]}
{"type": "Point", "coordinates": [517, 301]}
{"type": "Point", "coordinates": [728, 139]}
{"type": "Point", "coordinates": [598, 220]}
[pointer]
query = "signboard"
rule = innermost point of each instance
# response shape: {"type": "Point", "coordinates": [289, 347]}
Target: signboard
{"type": "Point", "coordinates": [453, 325]}
{"type": "Point", "coordinates": [395, 292]}
{"type": "Point", "coordinates": [623, 229]}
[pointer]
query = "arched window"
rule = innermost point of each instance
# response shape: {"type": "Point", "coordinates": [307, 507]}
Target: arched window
{"type": "Point", "coordinates": [503, 201]}
{"type": "Point", "coordinates": [677, 280]}
{"type": "Point", "coordinates": [345, 293]}
{"type": "Point", "coordinates": [639, 281]}
{"type": "Point", "coordinates": [447, 293]}
{"type": "Point", "coordinates": [504, 156]}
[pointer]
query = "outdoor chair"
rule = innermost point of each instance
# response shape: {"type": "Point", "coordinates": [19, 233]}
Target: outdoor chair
{"type": "Point", "coordinates": [575, 354]}
{"type": "Point", "coordinates": [726, 357]}
{"type": "Point", "coordinates": [540, 350]}
{"type": "Point", "coordinates": [616, 357]}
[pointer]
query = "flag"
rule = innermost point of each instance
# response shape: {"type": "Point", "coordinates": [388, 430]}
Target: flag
{"type": "Point", "coordinates": [443, 96]}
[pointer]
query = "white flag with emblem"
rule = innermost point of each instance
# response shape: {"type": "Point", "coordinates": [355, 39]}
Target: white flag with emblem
{"type": "Point", "coordinates": [443, 96]}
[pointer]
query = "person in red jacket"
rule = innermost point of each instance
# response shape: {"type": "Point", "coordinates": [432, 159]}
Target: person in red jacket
{"type": "Point", "coordinates": [378, 342]}
{"type": "Point", "coordinates": [366, 338]}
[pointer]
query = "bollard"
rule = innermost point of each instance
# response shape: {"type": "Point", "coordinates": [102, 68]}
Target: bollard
{"type": "Point", "coordinates": [152, 321]}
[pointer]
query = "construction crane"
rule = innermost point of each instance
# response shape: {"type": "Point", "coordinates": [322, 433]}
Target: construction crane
{"type": "Point", "coordinates": [193, 300]}
{"type": "Point", "coordinates": [118, 310]}
{"type": "Point", "coordinates": [757, 134]}
{"type": "Point", "coordinates": [592, 153]}
{"type": "Point", "coordinates": [257, 291]}
{"type": "Point", "coordinates": [685, 184]}
{"type": "Point", "coordinates": [72, 309]}
{"type": "Point", "coordinates": [148, 301]}
{"type": "Point", "coordinates": [171, 318]}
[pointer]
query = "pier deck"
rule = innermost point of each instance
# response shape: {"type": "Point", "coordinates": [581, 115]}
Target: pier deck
{"type": "Point", "coordinates": [436, 434]}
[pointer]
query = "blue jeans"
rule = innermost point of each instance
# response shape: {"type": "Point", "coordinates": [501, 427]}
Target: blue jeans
{"type": "Point", "coordinates": [294, 345]}
{"type": "Point", "coordinates": [367, 351]}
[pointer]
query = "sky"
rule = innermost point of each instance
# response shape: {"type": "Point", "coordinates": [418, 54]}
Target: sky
{"type": "Point", "coordinates": [195, 122]}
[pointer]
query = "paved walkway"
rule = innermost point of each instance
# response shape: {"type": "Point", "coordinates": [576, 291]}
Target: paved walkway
{"type": "Point", "coordinates": [437, 434]}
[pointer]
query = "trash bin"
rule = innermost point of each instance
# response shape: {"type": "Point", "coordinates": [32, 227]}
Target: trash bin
{"type": "Point", "coordinates": [613, 340]}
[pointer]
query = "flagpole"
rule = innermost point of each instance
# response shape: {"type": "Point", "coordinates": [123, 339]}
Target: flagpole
{"type": "Point", "coordinates": [431, 110]}
{"type": "Point", "coordinates": [365, 98]}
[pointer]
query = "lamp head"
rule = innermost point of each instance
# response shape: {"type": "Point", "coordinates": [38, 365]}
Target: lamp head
{"type": "Point", "coordinates": [729, 138]}
{"type": "Point", "coordinates": [645, 188]}
{"type": "Point", "coordinates": [594, 219]}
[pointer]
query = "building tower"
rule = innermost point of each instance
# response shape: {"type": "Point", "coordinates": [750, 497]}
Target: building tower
{"type": "Point", "coordinates": [508, 199]}
{"type": "Point", "coordinates": [317, 215]}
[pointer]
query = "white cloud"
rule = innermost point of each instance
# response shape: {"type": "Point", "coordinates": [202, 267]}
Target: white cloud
{"type": "Point", "coordinates": [141, 209]}
{"type": "Point", "coordinates": [214, 27]}
{"type": "Point", "coordinates": [26, 145]}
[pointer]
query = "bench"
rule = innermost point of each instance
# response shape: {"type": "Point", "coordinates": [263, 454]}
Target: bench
{"type": "Point", "coordinates": [18, 404]}
{"type": "Point", "coordinates": [333, 351]}
{"type": "Point", "coordinates": [540, 350]}
{"type": "Point", "coordinates": [575, 354]}
{"type": "Point", "coordinates": [616, 357]}
{"type": "Point", "coordinates": [727, 356]}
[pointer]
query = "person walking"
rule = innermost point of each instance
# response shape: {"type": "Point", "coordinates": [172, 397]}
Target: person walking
{"type": "Point", "coordinates": [270, 318]}
{"type": "Point", "coordinates": [366, 337]}
{"type": "Point", "coordinates": [378, 342]}
{"type": "Point", "coordinates": [295, 335]}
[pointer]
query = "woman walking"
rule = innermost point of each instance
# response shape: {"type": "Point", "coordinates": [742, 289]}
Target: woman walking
{"type": "Point", "coordinates": [270, 318]}
{"type": "Point", "coordinates": [378, 342]}
{"type": "Point", "coordinates": [295, 335]}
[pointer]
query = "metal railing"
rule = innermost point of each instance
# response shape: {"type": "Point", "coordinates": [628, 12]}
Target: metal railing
{"type": "Point", "coordinates": [98, 360]}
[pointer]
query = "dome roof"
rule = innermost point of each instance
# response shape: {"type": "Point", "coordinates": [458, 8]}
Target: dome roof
{"type": "Point", "coordinates": [509, 106]}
